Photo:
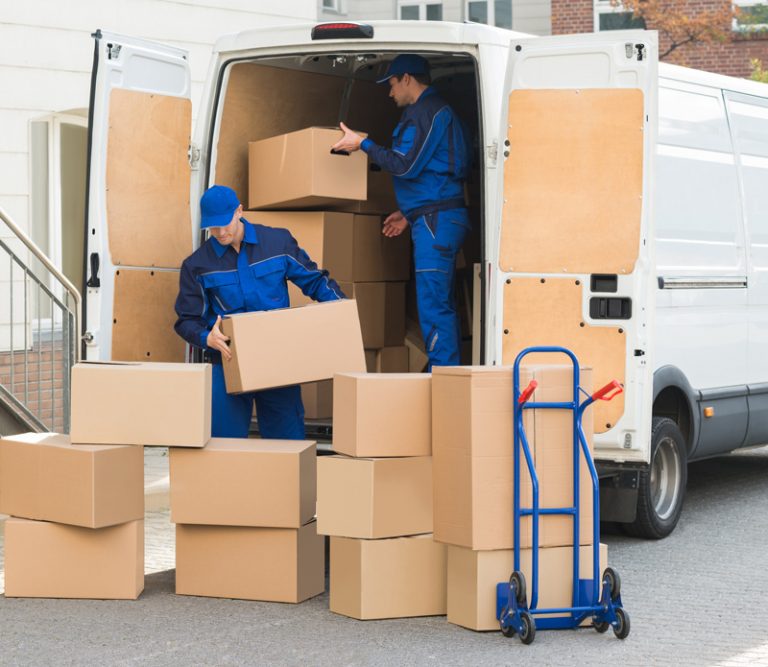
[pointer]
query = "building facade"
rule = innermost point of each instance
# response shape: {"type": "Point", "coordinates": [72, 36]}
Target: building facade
{"type": "Point", "coordinates": [746, 37]}
{"type": "Point", "coordinates": [530, 16]}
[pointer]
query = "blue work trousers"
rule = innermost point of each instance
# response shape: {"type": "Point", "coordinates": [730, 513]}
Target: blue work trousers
{"type": "Point", "coordinates": [437, 238]}
{"type": "Point", "coordinates": [280, 412]}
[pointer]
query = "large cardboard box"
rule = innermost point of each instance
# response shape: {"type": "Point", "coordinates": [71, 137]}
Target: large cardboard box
{"type": "Point", "coordinates": [43, 476]}
{"type": "Point", "coordinates": [271, 564]}
{"type": "Point", "coordinates": [298, 170]}
{"type": "Point", "coordinates": [417, 355]}
{"type": "Point", "coordinates": [163, 404]}
{"type": "Point", "coordinates": [244, 482]}
{"type": "Point", "coordinates": [473, 459]}
{"type": "Point", "coordinates": [293, 345]}
{"type": "Point", "coordinates": [350, 247]}
{"type": "Point", "coordinates": [374, 498]}
{"type": "Point", "coordinates": [382, 312]}
{"type": "Point", "coordinates": [388, 360]}
{"type": "Point", "coordinates": [382, 414]}
{"type": "Point", "coordinates": [473, 575]}
{"type": "Point", "coordinates": [381, 195]}
{"type": "Point", "coordinates": [54, 560]}
{"type": "Point", "coordinates": [318, 399]}
{"type": "Point", "coordinates": [394, 578]}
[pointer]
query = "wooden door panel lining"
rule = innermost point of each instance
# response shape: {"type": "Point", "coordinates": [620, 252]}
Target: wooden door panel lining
{"type": "Point", "coordinates": [148, 179]}
{"type": "Point", "coordinates": [549, 312]}
{"type": "Point", "coordinates": [144, 316]}
{"type": "Point", "coordinates": [573, 181]}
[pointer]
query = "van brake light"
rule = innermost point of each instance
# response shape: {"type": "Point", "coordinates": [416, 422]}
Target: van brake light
{"type": "Point", "coordinates": [342, 31]}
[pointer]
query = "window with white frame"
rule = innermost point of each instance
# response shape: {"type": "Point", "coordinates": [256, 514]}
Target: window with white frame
{"type": "Point", "coordinates": [490, 12]}
{"type": "Point", "coordinates": [610, 17]}
{"type": "Point", "coordinates": [333, 6]}
{"type": "Point", "coordinates": [750, 15]}
{"type": "Point", "coordinates": [408, 10]}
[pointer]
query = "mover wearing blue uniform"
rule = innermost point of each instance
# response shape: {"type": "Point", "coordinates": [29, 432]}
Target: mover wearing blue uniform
{"type": "Point", "coordinates": [429, 161]}
{"type": "Point", "coordinates": [243, 268]}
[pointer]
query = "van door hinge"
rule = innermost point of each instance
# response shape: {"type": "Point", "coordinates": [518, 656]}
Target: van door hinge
{"type": "Point", "coordinates": [492, 154]}
{"type": "Point", "coordinates": [113, 51]}
{"type": "Point", "coordinates": [193, 154]}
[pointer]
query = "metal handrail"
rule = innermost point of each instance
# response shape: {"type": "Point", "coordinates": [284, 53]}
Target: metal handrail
{"type": "Point", "coordinates": [43, 259]}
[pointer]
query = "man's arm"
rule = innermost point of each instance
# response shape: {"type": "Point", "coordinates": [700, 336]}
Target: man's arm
{"type": "Point", "coordinates": [191, 309]}
{"type": "Point", "coordinates": [303, 272]}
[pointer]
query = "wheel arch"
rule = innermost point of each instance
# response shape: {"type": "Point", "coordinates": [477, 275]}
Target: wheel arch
{"type": "Point", "coordinates": [673, 397]}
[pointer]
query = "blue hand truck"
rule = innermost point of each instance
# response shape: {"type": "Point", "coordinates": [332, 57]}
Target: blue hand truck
{"type": "Point", "coordinates": [595, 597]}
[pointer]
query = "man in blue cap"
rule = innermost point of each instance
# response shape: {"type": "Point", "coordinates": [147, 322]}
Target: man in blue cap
{"type": "Point", "coordinates": [241, 268]}
{"type": "Point", "coordinates": [429, 161]}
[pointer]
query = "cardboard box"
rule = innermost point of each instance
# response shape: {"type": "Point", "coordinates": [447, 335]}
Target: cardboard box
{"type": "Point", "coordinates": [162, 404]}
{"type": "Point", "coordinates": [417, 355]}
{"type": "Point", "coordinates": [54, 560]}
{"type": "Point", "coordinates": [276, 348]}
{"type": "Point", "coordinates": [271, 564]}
{"type": "Point", "coordinates": [374, 498]}
{"type": "Point", "coordinates": [298, 170]}
{"type": "Point", "coordinates": [43, 476]}
{"type": "Point", "coordinates": [387, 360]}
{"type": "Point", "coordinates": [244, 482]}
{"type": "Point", "coordinates": [382, 312]}
{"type": "Point", "coordinates": [350, 247]}
{"type": "Point", "coordinates": [473, 575]}
{"type": "Point", "coordinates": [382, 414]}
{"type": "Point", "coordinates": [381, 195]}
{"type": "Point", "coordinates": [394, 578]}
{"type": "Point", "coordinates": [318, 399]}
{"type": "Point", "coordinates": [473, 460]}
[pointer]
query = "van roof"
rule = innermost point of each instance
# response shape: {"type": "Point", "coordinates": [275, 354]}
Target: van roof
{"type": "Point", "coordinates": [700, 77]}
{"type": "Point", "coordinates": [421, 33]}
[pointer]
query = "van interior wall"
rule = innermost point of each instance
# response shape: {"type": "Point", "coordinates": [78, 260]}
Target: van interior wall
{"type": "Point", "coordinates": [264, 100]}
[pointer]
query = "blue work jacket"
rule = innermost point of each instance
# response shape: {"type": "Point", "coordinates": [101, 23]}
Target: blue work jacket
{"type": "Point", "coordinates": [429, 158]}
{"type": "Point", "coordinates": [217, 280]}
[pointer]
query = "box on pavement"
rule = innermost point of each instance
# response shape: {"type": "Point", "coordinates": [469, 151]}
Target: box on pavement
{"type": "Point", "coordinates": [276, 348]}
{"type": "Point", "coordinates": [473, 457]}
{"type": "Point", "coordinates": [392, 578]}
{"type": "Point", "coordinates": [387, 360]}
{"type": "Point", "coordinates": [54, 560]}
{"type": "Point", "coordinates": [318, 399]}
{"type": "Point", "coordinates": [350, 247]}
{"type": "Point", "coordinates": [473, 575]}
{"type": "Point", "coordinates": [244, 482]}
{"type": "Point", "coordinates": [43, 476]}
{"type": "Point", "coordinates": [382, 414]}
{"type": "Point", "coordinates": [271, 564]}
{"type": "Point", "coordinates": [162, 404]}
{"type": "Point", "coordinates": [374, 498]}
{"type": "Point", "coordinates": [382, 312]}
{"type": "Point", "coordinates": [298, 170]}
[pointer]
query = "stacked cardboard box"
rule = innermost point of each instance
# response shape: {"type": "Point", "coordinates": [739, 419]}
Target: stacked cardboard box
{"type": "Point", "coordinates": [375, 499]}
{"type": "Point", "coordinates": [244, 514]}
{"type": "Point", "coordinates": [296, 171]}
{"type": "Point", "coordinates": [77, 502]}
{"type": "Point", "coordinates": [473, 485]}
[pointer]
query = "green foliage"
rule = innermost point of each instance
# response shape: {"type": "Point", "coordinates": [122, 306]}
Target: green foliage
{"type": "Point", "coordinates": [758, 73]}
{"type": "Point", "coordinates": [754, 15]}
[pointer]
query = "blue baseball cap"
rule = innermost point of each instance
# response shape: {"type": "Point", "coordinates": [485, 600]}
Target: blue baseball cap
{"type": "Point", "coordinates": [406, 63]}
{"type": "Point", "coordinates": [217, 206]}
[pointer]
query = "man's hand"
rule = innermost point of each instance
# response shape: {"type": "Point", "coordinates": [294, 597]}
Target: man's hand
{"type": "Point", "coordinates": [394, 225]}
{"type": "Point", "coordinates": [218, 341]}
{"type": "Point", "coordinates": [350, 142]}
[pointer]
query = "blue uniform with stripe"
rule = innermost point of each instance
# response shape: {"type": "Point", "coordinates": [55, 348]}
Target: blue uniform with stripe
{"type": "Point", "coordinates": [217, 280]}
{"type": "Point", "coordinates": [429, 161]}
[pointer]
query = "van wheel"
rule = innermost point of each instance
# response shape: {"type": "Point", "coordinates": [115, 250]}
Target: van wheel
{"type": "Point", "coordinates": [662, 487]}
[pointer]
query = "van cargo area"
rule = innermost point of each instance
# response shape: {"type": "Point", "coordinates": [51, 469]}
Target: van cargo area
{"type": "Point", "coordinates": [266, 97]}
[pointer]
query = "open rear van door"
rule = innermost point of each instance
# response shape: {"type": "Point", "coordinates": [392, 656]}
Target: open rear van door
{"type": "Point", "coordinates": [575, 258]}
{"type": "Point", "coordinates": [138, 214]}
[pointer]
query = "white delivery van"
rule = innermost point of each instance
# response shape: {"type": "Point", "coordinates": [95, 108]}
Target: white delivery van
{"type": "Point", "coordinates": [619, 209]}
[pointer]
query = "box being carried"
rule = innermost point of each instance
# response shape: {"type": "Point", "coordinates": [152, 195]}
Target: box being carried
{"type": "Point", "coordinates": [276, 348]}
{"type": "Point", "coordinates": [298, 170]}
{"type": "Point", "coordinates": [127, 403]}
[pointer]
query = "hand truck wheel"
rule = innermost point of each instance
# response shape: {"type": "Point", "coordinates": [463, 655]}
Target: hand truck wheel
{"type": "Point", "coordinates": [517, 579]}
{"type": "Point", "coordinates": [614, 582]}
{"type": "Point", "coordinates": [601, 626]}
{"type": "Point", "coordinates": [528, 633]}
{"type": "Point", "coordinates": [621, 629]}
{"type": "Point", "coordinates": [506, 630]}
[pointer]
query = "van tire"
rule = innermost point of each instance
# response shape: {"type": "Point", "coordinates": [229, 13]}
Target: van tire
{"type": "Point", "coordinates": [661, 488]}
